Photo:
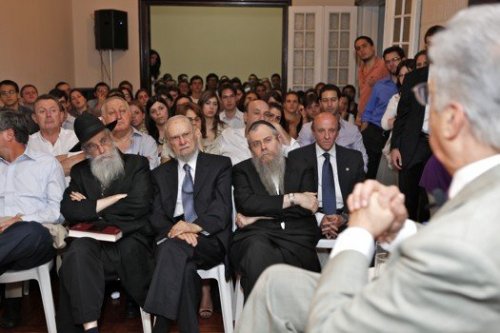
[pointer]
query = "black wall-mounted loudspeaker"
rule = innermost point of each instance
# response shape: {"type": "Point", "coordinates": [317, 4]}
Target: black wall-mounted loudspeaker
{"type": "Point", "coordinates": [111, 29]}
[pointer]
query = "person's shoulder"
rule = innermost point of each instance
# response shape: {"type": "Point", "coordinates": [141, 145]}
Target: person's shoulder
{"type": "Point", "coordinates": [215, 159]}
{"type": "Point", "coordinates": [302, 151]}
{"type": "Point", "coordinates": [245, 164]}
{"type": "Point", "coordinates": [348, 153]}
{"type": "Point", "coordinates": [347, 126]}
{"type": "Point", "coordinates": [135, 160]}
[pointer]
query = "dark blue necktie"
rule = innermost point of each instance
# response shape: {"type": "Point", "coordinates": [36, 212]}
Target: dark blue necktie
{"type": "Point", "coordinates": [187, 196]}
{"type": "Point", "coordinates": [328, 187]}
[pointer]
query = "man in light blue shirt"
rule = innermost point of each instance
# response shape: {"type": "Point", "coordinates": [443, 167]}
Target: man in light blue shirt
{"type": "Point", "coordinates": [31, 188]}
{"type": "Point", "coordinates": [374, 136]}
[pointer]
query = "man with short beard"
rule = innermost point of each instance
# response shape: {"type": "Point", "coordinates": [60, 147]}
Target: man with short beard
{"type": "Point", "coordinates": [192, 217]}
{"type": "Point", "coordinates": [276, 203]}
{"type": "Point", "coordinates": [108, 188]}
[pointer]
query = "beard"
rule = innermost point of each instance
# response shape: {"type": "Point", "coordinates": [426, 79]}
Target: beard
{"type": "Point", "coordinates": [107, 167]}
{"type": "Point", "coordinates": [270, 172]}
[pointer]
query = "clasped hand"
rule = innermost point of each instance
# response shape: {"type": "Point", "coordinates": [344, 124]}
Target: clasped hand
{"type": "Point", "coordinates": [185, 231]}
{"type": "Point", "coordinates": [377, 208]}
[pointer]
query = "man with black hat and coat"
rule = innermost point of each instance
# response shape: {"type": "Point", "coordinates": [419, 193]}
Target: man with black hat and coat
{"type": "Point", "coordinates": [107, 188]}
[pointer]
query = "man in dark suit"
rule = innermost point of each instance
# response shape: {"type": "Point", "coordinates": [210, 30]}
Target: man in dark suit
{"type": "Point", "coordinates": [334, 180]}
{"type": "Point", "coordinates": [192, 218]}
{"type": "Point", "coordinates": [276, 201]}
{"type": "Point", "coordinates": [108, 188]}
{"type": "Point", "coordinates": [410, 148]}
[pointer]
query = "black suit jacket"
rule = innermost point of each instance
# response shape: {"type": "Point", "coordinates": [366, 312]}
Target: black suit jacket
{"type": "Point", "coordinates": [407, 131]}
{"type": "Point", "coordinates": [212, 196]}
{"type": "Point", "coordinates": [350, 166]}
{"type": "Point", "coordinates": [252, 199]}
{"type": "Point", "coordinates": [129, 214]}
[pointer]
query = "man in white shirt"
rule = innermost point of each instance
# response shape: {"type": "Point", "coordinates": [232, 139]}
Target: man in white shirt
{"type": "Point", "coordinates": [31, 188]}
{"type": "Point", "coordinates": [233, 142]}
{"type": "Point", "coordinates": [447, 276]}
{"type": "Point", "coordinates": [230, 114]}
{"type": "Point", "coordinates": [52, 138]}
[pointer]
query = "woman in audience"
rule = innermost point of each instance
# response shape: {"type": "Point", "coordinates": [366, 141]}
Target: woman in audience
{"type": "Point", "coordinates": [127, 94]}
{"type": "Point", "coordinates": [180, 100]}
{"type": "Point", "coordinates": [157, 115]}
{"type": "Point", "coordinates": [239, 95]}
{"type": "Point", "coordinates": [78, 103]}
{"type": "Point", "coordinates": [154, 65]}
{"type": "Point", "coordinates": [142, 96]}
{"type": "Point", "coordinates": [350, 91]}
{"type": "Point", "coordinates": [212, 126]}
{"type": "Point", "coordinates": [138, 116]}
{"type": "Point", "coordinates": [276, 114]}
{"type": "Point", "coordinates": [386, 174]}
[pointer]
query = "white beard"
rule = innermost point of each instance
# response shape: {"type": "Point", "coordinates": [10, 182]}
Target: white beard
{"type": "Point", "coordinates": [107, 167]}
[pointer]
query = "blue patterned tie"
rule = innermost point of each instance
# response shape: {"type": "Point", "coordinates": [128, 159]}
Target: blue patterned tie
{"type": "Point", "coordinates": [187, 196]}
{"type": "Point", "coordinates": [328, 187]}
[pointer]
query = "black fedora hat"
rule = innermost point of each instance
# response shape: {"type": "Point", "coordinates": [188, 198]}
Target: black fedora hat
{"type": "Point", "coordinates": [86, 126]}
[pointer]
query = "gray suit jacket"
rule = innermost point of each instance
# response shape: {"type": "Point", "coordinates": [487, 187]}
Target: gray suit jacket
{"type": "Point", "coordinates": [446, 278]}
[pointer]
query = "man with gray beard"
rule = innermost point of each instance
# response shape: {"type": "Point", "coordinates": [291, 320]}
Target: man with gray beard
{"type": "Point", "coordinates": [108, 188]}
{"type": "Point", "coordinates": [276, 204]}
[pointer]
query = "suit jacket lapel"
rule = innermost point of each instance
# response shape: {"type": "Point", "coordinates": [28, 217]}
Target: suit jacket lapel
{"type": "Point", "coordinates": [343, 173]}
{"type": "Point", "coordinates": [200, 173]}
{"type": "Point", "coordinates": [478, 185]}
{"type": "Point", "coordinates": [172, 182]}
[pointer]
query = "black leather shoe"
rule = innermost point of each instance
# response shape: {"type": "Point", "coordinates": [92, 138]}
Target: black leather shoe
{"type": "Point", "coordinates": [132, 309]}
{"type": "Point", "coordinates": [12, 313]}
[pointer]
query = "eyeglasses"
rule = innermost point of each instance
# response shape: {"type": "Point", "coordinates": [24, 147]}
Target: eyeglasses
{"type": "Point", "coordinates": [395, 59]}
{"type": "Point", "coordinates": [269, 116]}
{"type": "Point", "coordinates": [421, 92]}
{"type": "Point", "coordinates": [8, 92]}
{"type": "Point", "coordinates": [93, 147]}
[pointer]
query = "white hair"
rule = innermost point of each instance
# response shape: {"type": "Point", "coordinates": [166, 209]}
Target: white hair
{"type": "Point", "coordinates": [465, 68]}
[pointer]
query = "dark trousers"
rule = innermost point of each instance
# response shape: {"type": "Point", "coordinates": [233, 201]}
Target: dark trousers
{"type": "Point", "coordinates": [25, 245]}
{"type": "Point", "coordinates": [416, 201]}
{"type": "Point", "coordinates": [175, 289]}
{"type": "Point", "coordinates": [88, 264]}
{"type": "Point", "coordinates": [374, 139]}
{"type": "Point", "coordinates": [252, 255]}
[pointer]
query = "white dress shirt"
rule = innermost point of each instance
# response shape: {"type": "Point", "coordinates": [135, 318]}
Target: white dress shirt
{"type": "Point", "coordinates": [237, 121]}
{"type": "Point", "coordinates": [359, 239]}
{"type": "Point", "coordinates": [338, 192]}
{"type": "Point", "coordinates": [32, 185]}
{"type": "Point", "coordinates": [181, 173]}
{"type": "Point", "coordinates": [67, 139]}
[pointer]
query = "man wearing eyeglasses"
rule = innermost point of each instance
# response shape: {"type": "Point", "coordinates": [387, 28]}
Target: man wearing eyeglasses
{"type": "Point", "coordinates": [374, 136]}
{"type": "Point", "coordinates": [9, 95]}
{"type": "Point", "coordinates": [107, 189]}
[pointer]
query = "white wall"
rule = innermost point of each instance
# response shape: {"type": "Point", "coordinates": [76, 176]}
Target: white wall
{"type": "Point", "coordinates": [87, 62]}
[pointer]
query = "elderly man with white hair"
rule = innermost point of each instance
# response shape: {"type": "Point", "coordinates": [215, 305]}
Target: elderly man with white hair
{"type": "Point", "coordinates": [446, 277]}
{"type": "Point", "coordinates": [128, 139]}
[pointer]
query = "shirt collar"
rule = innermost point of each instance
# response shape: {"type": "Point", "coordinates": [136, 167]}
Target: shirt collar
{"type": "Point", "coordinates": [320, 151]}
{"type": "Point", "coordinates": [238, 115]}
{"type": "Point", "coordinates": [468, 173]}
{"type": "Point", "coordinates": [136, 132]}
{"type": "Point", "coordinates": [27, 154]}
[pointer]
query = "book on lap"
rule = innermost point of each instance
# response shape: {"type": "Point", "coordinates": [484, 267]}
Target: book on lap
{"type": "Point", "coordinates": [106, 233]}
